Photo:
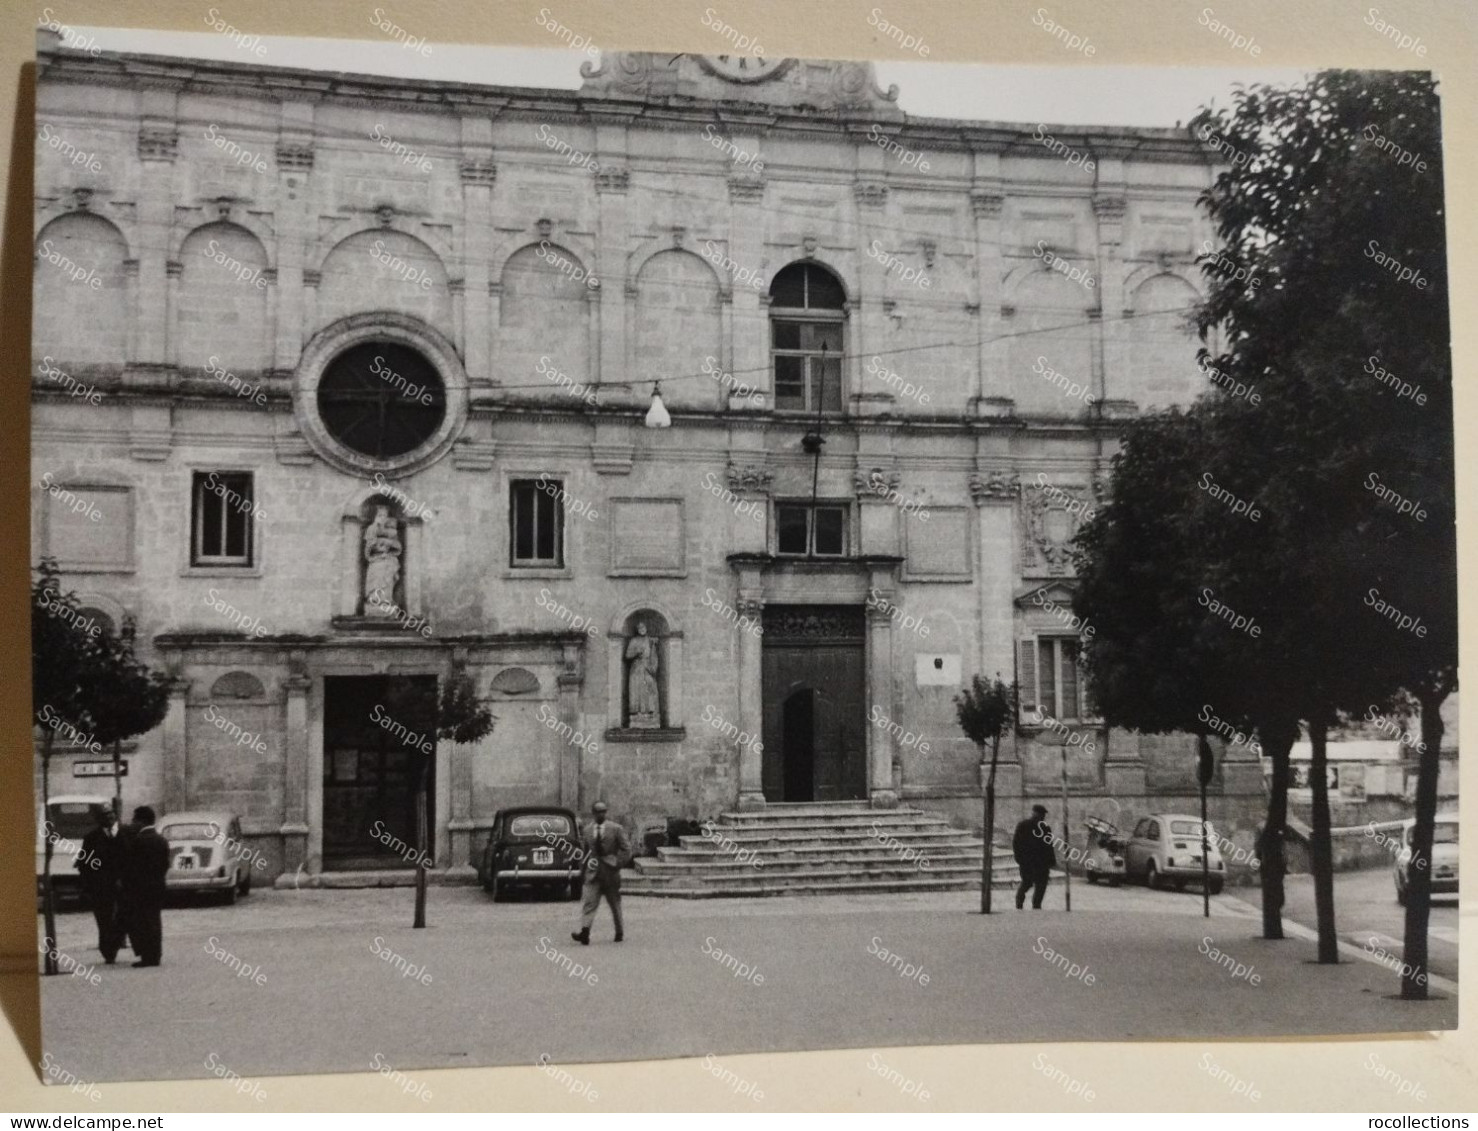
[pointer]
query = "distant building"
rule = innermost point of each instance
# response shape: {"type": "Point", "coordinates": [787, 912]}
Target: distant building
{"type": "Point", "coordinates": [354, 371]}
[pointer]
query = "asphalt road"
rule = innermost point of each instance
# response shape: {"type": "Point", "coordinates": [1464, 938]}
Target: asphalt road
{"type": "Point", "coordinates": [1365, 908]}
{"type": "Point", "coordinates": [338, 981]}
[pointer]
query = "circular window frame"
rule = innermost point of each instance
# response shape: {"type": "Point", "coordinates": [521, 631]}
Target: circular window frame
{"type": "Point", "coordinates": [357, 329]}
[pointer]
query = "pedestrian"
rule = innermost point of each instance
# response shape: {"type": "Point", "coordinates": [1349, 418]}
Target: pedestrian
{"type": "Point", "coordinates": [100, 868]}
{"type": "Point", "coordinates": [145, 865]}
{"type": "Point", "coordinates": [606, 850]}
{"type": "Point", "coordinates": [1035, 856]}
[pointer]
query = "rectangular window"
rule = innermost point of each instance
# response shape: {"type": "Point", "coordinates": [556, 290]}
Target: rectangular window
{"type": "Point", "coordinates": [815, 531]}
{"type": "Point", "coordinates": [1060, 688]}
{"type": "Point", "coordinates": [536, 523]}
{"type": "Point", "coordinates": [808, 365]}
{"type": "Point", "coordinates": [222, 509]}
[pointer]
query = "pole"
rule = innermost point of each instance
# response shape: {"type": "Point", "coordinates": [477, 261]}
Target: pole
{"type": "Point", "coordinates": [1067, 871]}
{"type": "Point", "coordinates": [1205, 858]}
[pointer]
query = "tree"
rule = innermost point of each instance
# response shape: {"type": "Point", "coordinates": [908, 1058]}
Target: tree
{"type": "Point", "coordinates": [984, 711]}
{"type": "Point", "coordinates": [455, 715]}
{"type": "Point", "coordinates": [88, 682]}
{"type": "Point", "coordinates": [1333, 202]}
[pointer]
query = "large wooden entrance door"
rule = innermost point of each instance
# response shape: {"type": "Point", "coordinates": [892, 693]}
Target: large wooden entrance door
{"type": "Point", "coordinates": [371, 759]}
{"type": "Point", "coordinates": [814, 675]}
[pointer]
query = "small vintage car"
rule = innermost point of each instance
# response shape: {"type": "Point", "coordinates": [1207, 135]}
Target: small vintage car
{"type": "Point", "coordinates": [206, 854]}
{"type": "Point", "coordinates": [1105, 859]}
{"type": "Point", "coordinates": [1166, 849]}
{"type": "Point", "coordinates": [69, 818]}
{"type": "Point", "coordinates": [1444, 856]}
{"type": "Point", "coordinates": [533, 848]}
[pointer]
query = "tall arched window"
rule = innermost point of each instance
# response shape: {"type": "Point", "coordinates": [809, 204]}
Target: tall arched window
{"type": "Point", "coordinates": [806, 318]}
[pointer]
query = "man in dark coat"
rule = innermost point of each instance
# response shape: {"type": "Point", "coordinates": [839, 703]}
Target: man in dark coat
{"type": "Point", "coordinates": [100, 868]}
{"type": "Point", "coordinates": [144, 867]}
{"type": "Point", "coordinates": [1035, 856]}
{"type": "Point", "coordinates": [607, 848]}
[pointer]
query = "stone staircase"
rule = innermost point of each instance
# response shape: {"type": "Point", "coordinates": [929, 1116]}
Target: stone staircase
{"type": "Point", "coordinates": [815, 848]}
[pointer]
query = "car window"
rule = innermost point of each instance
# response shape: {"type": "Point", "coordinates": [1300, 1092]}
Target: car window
{"type": "Point", "coordinates": [1186, 828]}
{"type": "Point", "coordinates": [73, 819]}
{"type": "Point", "coordinates": [540, 824]}
{"type": "Point", "coordinates": [1153, 832]}
{"type": "Point", "coordinates": [194, 830]}
{"type": "Point", "coordinates": [1143, 828]}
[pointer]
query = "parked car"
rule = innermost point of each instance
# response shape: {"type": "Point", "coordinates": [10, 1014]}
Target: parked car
{"type": "Point", "coordinates": [1444, 856]}
{"type": "Point", "coordinates": [1105, 859]}
{"type": "Point", "coordinates": [206, 854]}
{"type": "Point", "coordinates": [71, 817]}
{"type": "Point", "coordinates": [533, 847]}
{"type": "Point", "coordinates": [1166, 848]}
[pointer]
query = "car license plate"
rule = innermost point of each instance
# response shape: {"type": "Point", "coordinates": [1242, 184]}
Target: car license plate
{"type": "Point", "coordinates": [184, 863]}
{"type": "Point", "coordinates": [543, 856]}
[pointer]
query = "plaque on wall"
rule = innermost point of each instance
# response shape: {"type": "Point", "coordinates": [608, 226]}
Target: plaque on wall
{"type": "Point", "coordinates": [647, 537]}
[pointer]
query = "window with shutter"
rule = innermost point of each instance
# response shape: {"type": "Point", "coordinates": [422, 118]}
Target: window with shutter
{"type": "Point", "coordinates": [1027, 678]}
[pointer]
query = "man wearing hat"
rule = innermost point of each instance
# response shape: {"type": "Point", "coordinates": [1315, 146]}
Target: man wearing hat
{"type": "Point", "coordinates": [1035, 856]}
{"type": "Point", "coordinates": [145, 864]}
{"type": "Point", "coordinates": [606, 849]}
{"type": "Point", "coordinates": [100, 868]}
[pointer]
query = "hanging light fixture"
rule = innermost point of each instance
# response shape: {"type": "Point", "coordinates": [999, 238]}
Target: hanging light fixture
{"type": "Point", "coordinates": [657, 415]}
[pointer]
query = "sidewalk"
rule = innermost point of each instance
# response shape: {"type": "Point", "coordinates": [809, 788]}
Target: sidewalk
{"type": "Point", "coordinates": [501, 984]}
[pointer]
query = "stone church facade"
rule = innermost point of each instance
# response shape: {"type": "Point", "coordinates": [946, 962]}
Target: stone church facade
{"type": "Point", "coordinates": [343, 383]}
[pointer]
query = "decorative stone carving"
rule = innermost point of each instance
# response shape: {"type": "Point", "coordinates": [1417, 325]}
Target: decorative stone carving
{"type": "Point", "coordinates": [612, 180]}
{"type": "Point", "coordinates": [827, 85]}
{"type": "Point", "coordinates": [478, 171]}
{"type": "Point", "coordinates": [385, 214]}
{"type": "Point", "coordinates": [750, 609]}
{"type": "Point", "coordinates": [830, 622]}
{"type": "Point", "coordinates": [993, 485]}
{"type": "Point", "coordinates": [746, 188]}
{"type": "Point", "coordinates": [382, 550]}
{"type": "Point", "coordinates": [643, 690]}
{"type": "Point", "coordinates": [158, 143]}
{"type": "Point", "coordinates": [1110, 208]}
{"type": "Point", "coordinates": [808, 245]}
{"type": "Point", "coordinates": [870, 194]}
{"type": "Point", "coordinates": [986, 205]}
{"type": "Point", "coordinates": [294, 156]}
{"type": "Point", "coordinates": [1051, 516]}
{"type": "Point", "coordinates": [929, 248]}
{"type": "Point", "coordinates": [750, 478]}
{"type": "Point", "coordinates": [876, 482]}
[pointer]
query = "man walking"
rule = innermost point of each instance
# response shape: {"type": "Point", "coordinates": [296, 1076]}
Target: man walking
{"type": "Point", "coordinates": [100, 868]}
{"type": "Point", "coordinates": [1035, 856]}
{"type": "Point", "coordinates": [606, 849]}
{"type": "Point", "coordinates": [144, 867]}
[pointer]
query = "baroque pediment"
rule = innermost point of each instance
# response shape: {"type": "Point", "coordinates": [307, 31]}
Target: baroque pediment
{"type": "Point", "coordinates": [826, 84]}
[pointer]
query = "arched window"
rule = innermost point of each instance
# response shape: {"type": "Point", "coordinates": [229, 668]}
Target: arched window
{"type": "Point", "coordinates": [806, 318]}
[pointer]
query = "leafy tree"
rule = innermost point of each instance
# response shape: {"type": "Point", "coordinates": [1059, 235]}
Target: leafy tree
{"type": "Point", "coordinates": [1333, 202]}
{"type": "Point", "coordinates": [88, 681]}
{"type": "Point", "coordinates": [454, 715]}
{"type": "Point", "coordinates": [984, 711]}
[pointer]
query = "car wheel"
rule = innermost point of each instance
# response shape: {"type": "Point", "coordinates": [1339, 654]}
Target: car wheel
{"type": "Point", "coordinates": [493, 889]}
{"type": "Point", "coordinates": [1151, 876]}
{"type": "Point", "coordinates": [1092, 877]}
{"type": "Point", "coordinates": [1401, 894]}
{"type": "Point", "coordinates": [1216, 887]}
{"type": "Point", "coordinates": [1179, 885]}
{"type": "Point", "coordinates": [1113, 881]}
{"type": "Point", "coordinates": [228, 897]}
{"type": "Point", "coordinates": [244, 887]}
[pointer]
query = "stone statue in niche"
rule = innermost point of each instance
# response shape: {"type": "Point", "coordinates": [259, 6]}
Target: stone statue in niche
{"type": "Point", "coordinates": [643, 694]}
{"type": "Point", "coordinates": [382, 550]}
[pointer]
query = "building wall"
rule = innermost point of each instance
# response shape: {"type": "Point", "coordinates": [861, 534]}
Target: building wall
{"type": "Point", "coordinates": [555, 255]}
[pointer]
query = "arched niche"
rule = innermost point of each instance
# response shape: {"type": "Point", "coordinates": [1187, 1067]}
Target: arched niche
{"type": "Point", "coordinates": [678, 324]}
{"type": "Point", "coordinates": [628, 647]}
{"type": "Point", "coordinates": [220, 304]}
{"type": "Point", "coordinates": [398, 514]}
{"type": "Point", "coordinates": [81, 292]}
{"type": "Point", "coordinates": [545, 296]}
{"type": "Point", "coordinates": [237, 685]}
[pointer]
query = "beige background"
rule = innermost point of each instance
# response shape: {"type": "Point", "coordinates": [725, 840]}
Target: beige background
{"type": "Point", "coordinates": [1316, 1075]}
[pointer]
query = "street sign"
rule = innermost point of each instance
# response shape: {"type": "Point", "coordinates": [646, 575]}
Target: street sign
{"type": "Point", "coordinates": [98, 769]}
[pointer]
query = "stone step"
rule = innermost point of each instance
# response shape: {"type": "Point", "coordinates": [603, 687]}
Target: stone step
{"type": "Point", "coordinates": [829, 887]}
{"type": "Point", "coordinates": [772, 865]}
{"type": "Point", "coordinates": [860, 828]}
{"type": "Point", "coordinates": [814, 813]}
{"type": "Point", "coordinates": [744, 877]}
{"type": "Point", "coordinates": [760, 842]}
{"type": "Point", "coordinates": [715, 856]}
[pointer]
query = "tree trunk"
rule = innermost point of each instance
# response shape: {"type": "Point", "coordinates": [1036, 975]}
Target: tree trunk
{"type": "Point", "coordinates": [1321, 851]}
{"type": "Point", "coordinates": [1277, 742]}
{"type": "Point", "coordinates": [118, 779]}
{"type": "Point", "coordinates": [987, 861]}
{"type": "Point", "coordinates": [1414, 974]}
{"type": "Point", "coordinates": [420, 920]}
{"type": "Point", "coordinates": [48, 899]}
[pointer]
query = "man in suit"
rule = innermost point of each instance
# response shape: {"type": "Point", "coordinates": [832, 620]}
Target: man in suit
{"type": "Point", "coordinates": [144, 867]}
{"type": "Point", "coordinates": [1035, 856]}
{"type": "Point", "coordinates": [100, 868]}
{"type": "Point", "coordinates": [606, 849]}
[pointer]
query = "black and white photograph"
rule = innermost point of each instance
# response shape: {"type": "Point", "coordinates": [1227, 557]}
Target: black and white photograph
{"type": "Point", "coordinates": [558, 555]}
